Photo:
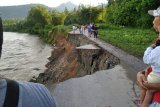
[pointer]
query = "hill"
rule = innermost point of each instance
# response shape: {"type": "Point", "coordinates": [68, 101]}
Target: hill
{"type": "Point", "coordinates": [69, 5]}
{"type": "Point", "coordinates": [21, 11]}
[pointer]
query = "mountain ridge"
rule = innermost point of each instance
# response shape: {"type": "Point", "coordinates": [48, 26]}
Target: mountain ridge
{"type": "Point", "coordinates": [69, 5]}
{"type": "Point", "coordinates": [21, 11]}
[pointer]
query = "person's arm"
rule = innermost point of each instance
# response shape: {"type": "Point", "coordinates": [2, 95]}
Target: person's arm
{"type": "Point", "coordinates": [149, 54]}
{"type": "Point", "coordinates": [152, 86]}
{"type": "Point", "coordinates": [141, 82]}
{"type": "Point", "coordinates": [141, 78]}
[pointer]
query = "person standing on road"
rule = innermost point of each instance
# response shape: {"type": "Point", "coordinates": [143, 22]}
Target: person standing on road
{"type": "Point", "coordinates": [89, 30]}
{"type": "Point", "coordinates": [95, 30]}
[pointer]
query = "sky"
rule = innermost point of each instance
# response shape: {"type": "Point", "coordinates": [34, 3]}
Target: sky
{"type": "Point", "coordinates": [51, 3]}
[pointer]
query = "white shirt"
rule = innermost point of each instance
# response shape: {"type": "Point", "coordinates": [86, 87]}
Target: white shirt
{"type": "Point", "coordinates": [74, 28]}
{"type": "Point", "coordinates": [152, 57]}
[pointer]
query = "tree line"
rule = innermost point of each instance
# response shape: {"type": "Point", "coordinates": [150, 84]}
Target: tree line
{"type": "Point", "coordinates": [132, 13]}
{"type": "Point", "coordinates": [40, 18]}
{"type": "Point", "coordinates": [127, 13]}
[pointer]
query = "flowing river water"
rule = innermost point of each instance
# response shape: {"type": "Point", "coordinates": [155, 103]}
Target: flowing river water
{"type": "Point", "coordinates": [23, 56]}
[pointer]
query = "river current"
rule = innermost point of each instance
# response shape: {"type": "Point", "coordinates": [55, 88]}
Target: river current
{"type": "Point", "coordinates": [23, 56]}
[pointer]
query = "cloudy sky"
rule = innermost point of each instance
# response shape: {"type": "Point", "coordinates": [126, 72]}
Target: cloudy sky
{"type": "Point", "coordinates": [50, 3]}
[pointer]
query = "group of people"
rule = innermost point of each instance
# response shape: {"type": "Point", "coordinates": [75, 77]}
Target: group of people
{"type": "Point", "coordinates": [92, 29]}
{"type": "Point", "coordinates": [88, 29]}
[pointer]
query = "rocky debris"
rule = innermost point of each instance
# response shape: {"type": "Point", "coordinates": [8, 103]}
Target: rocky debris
{"type": "Point", "coordinates": [75, 56]}
{"type": "Point", "coordinates": [94, 60]}
{"type": "Point", "coordinates": [63, 62]}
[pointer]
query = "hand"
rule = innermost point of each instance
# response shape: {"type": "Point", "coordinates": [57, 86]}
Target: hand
{"type": "Point", "coordinates": [141, 79]}
{"type": "Point", "coordinates": [148, 85]}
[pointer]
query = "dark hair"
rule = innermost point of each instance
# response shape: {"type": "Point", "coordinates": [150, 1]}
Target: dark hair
{"type": "Point", "coordinates": [1, 36]}
{"type": "Point", "coordinates": [157, 43]}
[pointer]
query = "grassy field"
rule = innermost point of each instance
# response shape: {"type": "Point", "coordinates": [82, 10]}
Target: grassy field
{"type": "Point", "coordinates": [131, 40]}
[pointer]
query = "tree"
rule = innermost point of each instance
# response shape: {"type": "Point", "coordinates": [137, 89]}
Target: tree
{"type": "Point", "coordinates": [66, 11]}
{"type": "Point", "coordinates": [71, 18]}
{"type": "Point", "coordinates": [111, 2]}
{"type": "Point", "coordinates": [38, 16]}
{"type": "Point", "coordinates": [57, 18]}
{"type": "Point", "coordinates": [83, 15]}
{"type": "Point", "coordinates": [89, 14]}
{"type": "Point", "coordinates": [130, 12]}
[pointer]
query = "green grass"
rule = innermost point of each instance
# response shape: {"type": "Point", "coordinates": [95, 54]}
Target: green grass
{"type": "Point", "coordinates": [131, 40]}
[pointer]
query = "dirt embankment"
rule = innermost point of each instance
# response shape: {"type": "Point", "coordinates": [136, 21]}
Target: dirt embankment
{"type": "Point", "coordinates": [68, 61]}
{"type": "Point", "coordinates": [63, 62]}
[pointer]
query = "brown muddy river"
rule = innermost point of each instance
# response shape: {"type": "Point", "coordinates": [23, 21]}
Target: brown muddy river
{"type": "Point", "coordinates": [23, 56]}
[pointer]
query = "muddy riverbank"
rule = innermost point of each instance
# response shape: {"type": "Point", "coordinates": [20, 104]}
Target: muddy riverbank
{"type": "Point", "coordinates": [76, 56]}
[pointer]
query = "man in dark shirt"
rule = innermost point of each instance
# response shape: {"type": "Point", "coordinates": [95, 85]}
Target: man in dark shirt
{"type": "Point", "coordinates": [95, 30]}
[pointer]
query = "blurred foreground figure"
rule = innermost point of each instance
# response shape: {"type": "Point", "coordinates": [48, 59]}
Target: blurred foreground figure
{"type": "Point", "coordinates": [149, 80]}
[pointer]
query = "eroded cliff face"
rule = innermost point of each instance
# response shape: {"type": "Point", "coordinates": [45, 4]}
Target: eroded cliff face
{"type": "Point", "coordinates": [75, 56]}
{"type": "Point", "coordinates": [91, 62]}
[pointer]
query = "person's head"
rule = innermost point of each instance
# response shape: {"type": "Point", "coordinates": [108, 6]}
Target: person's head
{"type": "Point", "coordinates": [156, 24]}
{"type": "Point", "coordinates": [1, 36]}
{"type": "Point", "coordinates": [156, 21]}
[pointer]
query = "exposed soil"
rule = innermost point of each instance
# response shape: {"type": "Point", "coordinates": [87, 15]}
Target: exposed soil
{"type": "Point", "coordinates": [67, 61]}
{"type": "Point", "coordinates": [63, 62]}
